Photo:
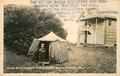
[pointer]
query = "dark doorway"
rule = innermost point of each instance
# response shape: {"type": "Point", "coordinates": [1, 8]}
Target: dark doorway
{"type": "Point", "coordinates": [86, 35]}
{"type": "Point", "coordinates": [86, 32]}
{"type": "Point", "coordinates": [46, 45]}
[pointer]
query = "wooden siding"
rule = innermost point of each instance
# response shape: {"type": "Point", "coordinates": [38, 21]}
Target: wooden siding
{"type": "Point", "coordinates": [110, 33]}
{"type": "Point", "coordinates": [100, 33]}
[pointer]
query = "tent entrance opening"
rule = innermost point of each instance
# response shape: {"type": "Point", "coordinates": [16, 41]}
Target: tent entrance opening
{"type": "Point", "coordinates": [46, 46]}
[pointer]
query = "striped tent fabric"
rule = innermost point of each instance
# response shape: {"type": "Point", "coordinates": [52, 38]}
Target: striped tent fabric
{"type": "Point", "coordinates": [34, 46]}
{"type": "Point", "coordinates": [59, 51]}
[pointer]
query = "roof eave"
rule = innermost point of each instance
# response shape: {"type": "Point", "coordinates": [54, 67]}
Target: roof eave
{"type": "Point", "coordinates": [92, 18]}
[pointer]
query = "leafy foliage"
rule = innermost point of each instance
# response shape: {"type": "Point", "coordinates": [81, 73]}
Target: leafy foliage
{"type": "Point", "coordinates": [22, 24]}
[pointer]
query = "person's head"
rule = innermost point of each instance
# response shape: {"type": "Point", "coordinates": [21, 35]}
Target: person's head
{"type": "Point", "coordinates": [42, 45]}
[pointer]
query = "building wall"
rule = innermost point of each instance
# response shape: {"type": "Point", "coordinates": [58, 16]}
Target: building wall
{"type": "Point", "coordinates": [110, 33]}
{"type": "Point", "coordinates": [100, 33]}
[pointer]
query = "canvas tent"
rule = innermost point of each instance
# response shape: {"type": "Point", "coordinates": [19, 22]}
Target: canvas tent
{"type": "Point", "coordinates": [57, 47]}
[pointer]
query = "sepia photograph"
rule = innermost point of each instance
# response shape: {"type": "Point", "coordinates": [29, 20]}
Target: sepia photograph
{"type": "Point", "coordinates": [60, 36]}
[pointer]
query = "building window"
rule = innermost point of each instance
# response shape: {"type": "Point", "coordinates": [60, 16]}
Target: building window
{"type": "Point", "coordinates": [85, 23]}
{"type": "Point", "coordinates": [90, 24]}
{"type": "Point", "coordinates": [33, 1]}
{"type": "Point", "coordinates": [109, 23]}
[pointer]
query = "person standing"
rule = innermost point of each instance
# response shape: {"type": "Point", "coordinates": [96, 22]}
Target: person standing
{"type": "Point", "coordinates": [42, 52]}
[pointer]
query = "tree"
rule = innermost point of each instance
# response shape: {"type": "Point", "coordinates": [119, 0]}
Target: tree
{"type": "Point", "coordinates": [22, 24]}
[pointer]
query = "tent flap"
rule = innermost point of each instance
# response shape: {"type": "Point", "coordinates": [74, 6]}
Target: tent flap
{"type": "Point", "coordinates": [34, 46]}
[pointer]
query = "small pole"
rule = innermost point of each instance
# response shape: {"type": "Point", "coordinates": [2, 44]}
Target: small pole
{"type": "Point", "coordinates": [104, 32]}
{"type": "Point", "coordinates": [87, 32]}
{"type": "Point", "coordinates": [96, 31]}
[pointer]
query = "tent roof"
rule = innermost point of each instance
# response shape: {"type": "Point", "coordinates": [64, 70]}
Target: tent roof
{"type": "Point", "coordinates": [51, 37]}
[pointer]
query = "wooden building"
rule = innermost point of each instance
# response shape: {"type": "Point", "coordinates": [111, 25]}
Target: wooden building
{"type": "Point", "coordinates": [98, 30]}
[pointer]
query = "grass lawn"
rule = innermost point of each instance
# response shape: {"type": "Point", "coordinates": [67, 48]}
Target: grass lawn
{"type": "Point", "coordinates": [81, 60]}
